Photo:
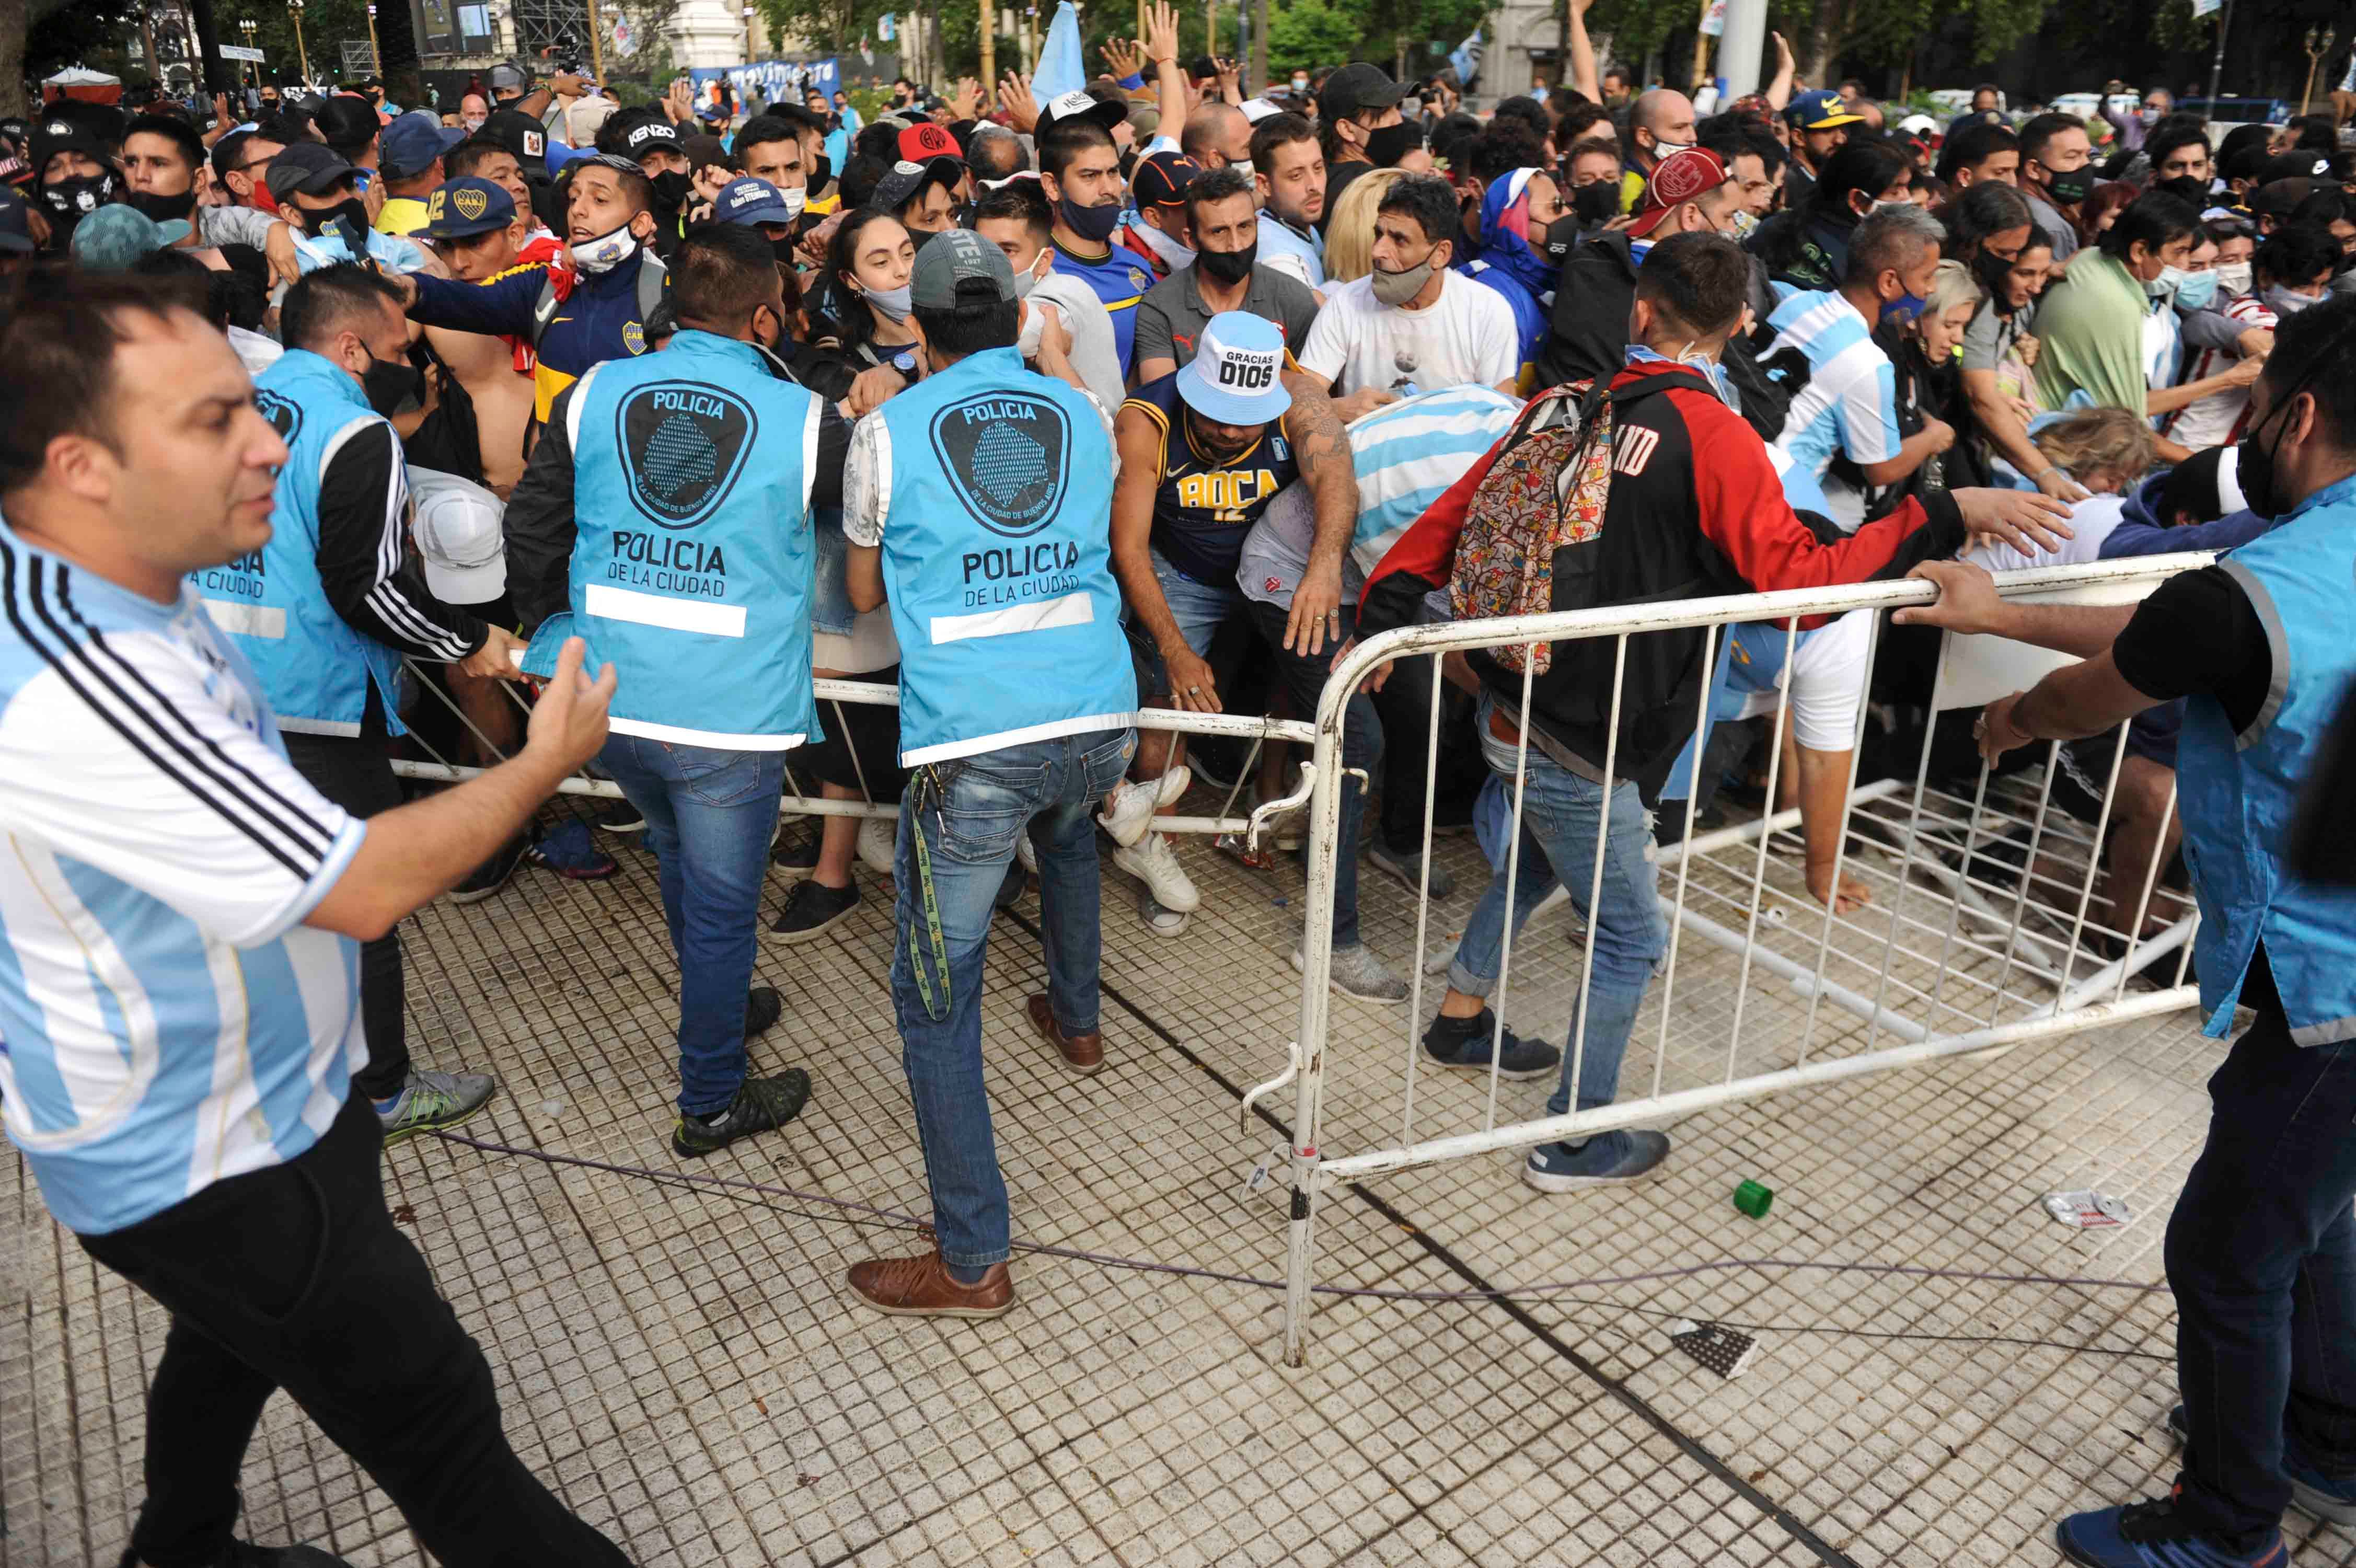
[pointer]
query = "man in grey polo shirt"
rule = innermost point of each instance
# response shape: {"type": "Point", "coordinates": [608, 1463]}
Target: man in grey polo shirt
{"type": "Point", "coordinates": [1170, 318]}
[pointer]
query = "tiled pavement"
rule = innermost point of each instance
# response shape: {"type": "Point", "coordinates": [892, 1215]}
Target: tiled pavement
{"type": "Point", "coordinates": [681, 1362]}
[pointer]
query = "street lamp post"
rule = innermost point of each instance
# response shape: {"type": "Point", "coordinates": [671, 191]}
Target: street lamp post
{"type": "Point", "coordinates": [2316, 51]}
{"type": "Point", "coordinates": [302, 55]}
{"type": "Point", "coordinates": [376, 56]}
{"type": "Point", "coordinates": [245, 25]}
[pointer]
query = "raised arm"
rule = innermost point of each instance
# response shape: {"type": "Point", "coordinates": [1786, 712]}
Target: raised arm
{"type": "Point", "coordinates": [1583, 53]}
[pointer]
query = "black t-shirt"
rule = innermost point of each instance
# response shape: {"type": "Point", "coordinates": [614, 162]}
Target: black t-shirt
{"type": "Point", "coordinates": [1337, 180]}
{"type": "Point", "coordinates": [2199, 633]}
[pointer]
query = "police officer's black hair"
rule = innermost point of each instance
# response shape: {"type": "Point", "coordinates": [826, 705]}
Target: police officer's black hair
{"type": "Point", "coordinates": [2307, 346]}
{"type": "Point", "coordinates": [1700, 281]}
{"type": "Point", "coordinates": [971, 326]}
{"type": "Point", "coordinates": [1025, 201]}
{"type": "Point", "coordinates": [721, 274]}
{"type": "Point", "coordinates": [325, 302]}
{"type": "Point", "coordinates": [1527, 112]}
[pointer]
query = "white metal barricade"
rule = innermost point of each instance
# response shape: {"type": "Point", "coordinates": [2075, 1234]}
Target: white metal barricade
{"type": "Point", "coordinates": [441, 770]}
{"type": "Point", "coordinates": [1982, 929]}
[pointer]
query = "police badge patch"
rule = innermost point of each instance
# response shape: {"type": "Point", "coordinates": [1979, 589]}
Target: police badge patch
{"type": "Point", "coordinates": [285, 417]}
{"type": "Point", "coordinates": [682, 447]}
{"type": "Point", "coordinates": [1009, 456]}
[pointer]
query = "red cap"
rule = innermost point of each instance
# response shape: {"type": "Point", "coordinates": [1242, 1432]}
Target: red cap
{"type": "Point", "coordinates": [1677, 180]}
{"type": "Point", "coordinates": [921, 144]}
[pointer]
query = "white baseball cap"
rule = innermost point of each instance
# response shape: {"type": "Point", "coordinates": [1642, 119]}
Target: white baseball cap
{"type": "Point", "coordinates": [460, 531]}
{"type": "Point", "coordinates": [1236, 375]}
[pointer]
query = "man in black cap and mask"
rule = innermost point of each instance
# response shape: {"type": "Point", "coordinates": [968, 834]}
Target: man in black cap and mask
{"type": "Point", "coordinates": [1355, 101]}
{"type": "Point", "coordinates": [76, 176]}
{"type": "Point", "coordinates": [1225, 222]}
{"type": "Point", "coordinates": [660, 149]}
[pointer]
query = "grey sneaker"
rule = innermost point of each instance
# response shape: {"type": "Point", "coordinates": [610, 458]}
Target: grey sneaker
{"type": "Point", "coordinates": [1356, 972]}
{"type": "Point", "coordinates": [431, 1100]}
{"type": "Point", "coordinates": [1407, 867]}
{"type": "Point", "coordinates": [1162, 923]}
{"type": "Point", "coordinates": [1617, 1158]}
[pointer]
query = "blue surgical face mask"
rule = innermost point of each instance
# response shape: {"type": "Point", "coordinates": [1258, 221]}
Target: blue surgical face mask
{"type": "Point", "coordinates": [2196, 291]}
{"type": "Point", "coordinates": [1712, 370]}
{"type": "Point", "coordinates": [1902, 310]}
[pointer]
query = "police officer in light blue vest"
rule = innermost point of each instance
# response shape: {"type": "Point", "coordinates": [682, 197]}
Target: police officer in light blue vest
{"type": "Point", "coordinates": [665, 519]}
{"type": "Point", "coordinates": [2262, 1246]}
{"type": "Point", "coordinates": [978, 504]}
{"type": "Point", "coordinates": [325, 610]}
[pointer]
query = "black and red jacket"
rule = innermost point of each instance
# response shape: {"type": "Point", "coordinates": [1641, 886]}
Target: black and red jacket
{"type": "Point", "coordinates": [1695, 511]}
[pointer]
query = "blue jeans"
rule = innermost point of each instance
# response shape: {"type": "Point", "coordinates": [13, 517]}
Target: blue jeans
{"type": "Point", "coordinates": [2262, 1256]}
{"type": "Point", "coordinates": [967, 814]}
{"type": "Point", "coordinates": [1626, 932]}
{"type": "Point", "coordinates": [710, 816]}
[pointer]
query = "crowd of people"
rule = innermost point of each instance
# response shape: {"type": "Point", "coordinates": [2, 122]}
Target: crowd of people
{"type": "Point", "coordinates": [1155, 393]}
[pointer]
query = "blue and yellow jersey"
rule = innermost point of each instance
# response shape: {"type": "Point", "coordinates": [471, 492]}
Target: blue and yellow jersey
{"type": "Point", "coordinates": [1119, 278]}
{"type": "Point", "coordinates": [1204, 505]}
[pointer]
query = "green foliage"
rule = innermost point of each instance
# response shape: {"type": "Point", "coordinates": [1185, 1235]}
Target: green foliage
{"type": "Point", "coordinates": [829, 26]}
{"type": "Point", "coordinates": [1309, 34]}
{"type": "Point", "coordinates": [1313, 35]}
{"type": "Point", "coordinates": [326, 24]}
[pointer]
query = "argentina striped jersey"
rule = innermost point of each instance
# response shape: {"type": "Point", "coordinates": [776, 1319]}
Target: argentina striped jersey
{"type": "Point", "coordinates": [1850, 404]}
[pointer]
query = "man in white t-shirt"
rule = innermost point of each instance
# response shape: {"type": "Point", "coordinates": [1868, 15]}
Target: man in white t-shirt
{"type": "Point", "coordinates": [1015, 219]}
{"type": "Point", "coordinates": [1411, 324]}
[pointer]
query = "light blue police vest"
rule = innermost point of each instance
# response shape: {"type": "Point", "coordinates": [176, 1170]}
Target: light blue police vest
{"type": "Point", "coordinates": [693, 556]}
{"type": "Point", "coordinates": [998, 563]}
{"type": "Point", "coordinates": [315, 666]}
{"type": "Point", "coordinates": [2238, 793]}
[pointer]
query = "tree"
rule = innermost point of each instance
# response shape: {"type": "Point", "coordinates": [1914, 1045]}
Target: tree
{"type": "Point", "coordinates": [1308, 34]}
{"type": "Point", "coordinates": [826, 27]}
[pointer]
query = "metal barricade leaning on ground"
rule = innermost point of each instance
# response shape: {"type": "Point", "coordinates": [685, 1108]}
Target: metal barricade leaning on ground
{"type": "Point", "coordinates": [1978, 922]}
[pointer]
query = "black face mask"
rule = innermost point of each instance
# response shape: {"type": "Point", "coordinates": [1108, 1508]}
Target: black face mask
{"type": "Point", "coordinates": [1093, 225]}
{"type": "Point", "coordinates": [71, 201]}
{"type": "Point", "coordinates": [1562, 237]}
{"type": "Point", "coordinates": [391, 384]}
{"type": "Point", "coordinates": [920, 238]}
{"type": "Point", "coordinates": [162, 208]}
{"type": "Point", "coordinates": [2072, 187]}
{"type": "Point", "coordinates": [1387, 146]}
{"type": "Point", "coordinates": [1595, 203]}
{"type": "Point", "coordinates": [821, 170]}
{"type": "Point", "coordinates": [2187, 188]}
{"type": "Point", "coordinates": [671, 190]}
{"type": "Point", "coordinates": [348, 219]}
{"type": "Point", "coordinates": [1228, 266]}
{"type": "Point", "coordinates": [784, 250]}
{"type": "Point", "coordinates": [1991, 271]}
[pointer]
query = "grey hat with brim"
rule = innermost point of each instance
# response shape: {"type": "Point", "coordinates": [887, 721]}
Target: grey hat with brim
{"type": "Point", "coordinates": [952, 268]}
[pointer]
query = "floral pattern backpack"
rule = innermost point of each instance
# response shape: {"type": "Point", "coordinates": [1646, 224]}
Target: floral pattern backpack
{"type": "Point", "coordinates": [1546, 490]}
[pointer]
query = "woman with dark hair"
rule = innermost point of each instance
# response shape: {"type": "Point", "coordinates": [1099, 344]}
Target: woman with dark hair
{"type": "Point", "coordinates": [1992, 230]}
{"type": "Point", "coordinates": [1808, 248]}
{"type": "Point", "coordinates": [2109, 327]}
{"type": "Point", "coordinates": [868, 264]}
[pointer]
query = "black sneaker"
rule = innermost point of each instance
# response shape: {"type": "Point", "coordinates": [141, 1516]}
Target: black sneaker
{"type": "Point", "coordinates": [621, 817]}
{"type": "Point", "coordinates": [763, 1008]}
{"type": "Point", "coordinates": [812, 908]}
{"type": "Point", "coordinates": [1462, 1045]}
{"type": "Point", "coordinates": [245, 1554]}
{"type": "Point", "coordinates": [761, 1104]}
{"type": "Point", "coordinates": [800, 855]}
{"type": "Point", "coordinates": [493, 874]}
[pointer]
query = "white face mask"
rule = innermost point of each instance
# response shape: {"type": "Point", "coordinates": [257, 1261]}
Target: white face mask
{"type": "Point", "coordinates": [1662, 149]}
{"type": "Point", "coordinates": [473, 122]}
{"type": "Point", "coordinates": [2233, 277]}
{"type": "Point", "coordinates": [1241, 166]}
{"type": "Point", "coordinates": [1029, 277]}
{"type": "Point", "coordinates": [794, 198]}
{"type": "Point", "coordinates": [1300, 84]}
{"type": "Point", "coordinates": [606, 252]}
{"type": "Point", "coordinates": [2165, 286]}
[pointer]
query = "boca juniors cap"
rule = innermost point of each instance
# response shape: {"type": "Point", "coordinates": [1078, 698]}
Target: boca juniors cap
{"type": "Point", "coordinates": [1236, 375]}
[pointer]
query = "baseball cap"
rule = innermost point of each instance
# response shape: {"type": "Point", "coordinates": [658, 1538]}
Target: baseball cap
{"type": "Point", "coordinates": [958, 265]}
{"type": "Point", "coordinates": [1080, 106]}
{"type": "Point", "coordinates": [2296, 164]}
{"type": "Point", "coordinates": [1677, 180]}
{"type": "Point", "coordinates": [751, 200]}
{"type": "Point", "coordinates": [411, 144]}
{"type": "Point", "coordinates": [348, 123]}
{"type": "Point", "coordinates": [520, 133]}
{"type": "Point", "coordinates": [895, 189]}
{"type": "Point", "coordinates": [920, 144]}
{"type": "Point", "coordinates": [641, 139]}
{"type": "Point", "coordinates": [1919, 125]}
{"type": "Point", "coordinates": [509, 78]}
{"type": "Point", "coordinates": [1257, 109]}
{"type": "Point", "coordinates": [1236, 375]}
{"type": "Point", "coordinates": [1162, 179]}
{"type": "Point", "coordinates": [115, 239]}
{"type": "Point", "coordinates": [1356, 87]}
{"type": "Point", "coordinates": [458, 533]}
{"type": "Point", "coordinates": [2278, 198]}
{"type": "Point", "coordinates": [466, 206]}
{"type": "Point", "coordinates": [309, 167]}
{"type": "Point", "coordinates": [16, 227]}
{"type": "Point", "coordinates": [1820, 110]}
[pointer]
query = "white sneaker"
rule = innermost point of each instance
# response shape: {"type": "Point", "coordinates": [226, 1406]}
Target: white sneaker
{"type": "Point", "coordinates": [1155, 863]}
{"type": "Point", "coordinates": [879, 840]}
{"type": "Point", "coordinates": [1028, 856]}
{"type": "Point", "coordinates": [1356, 972]}
{"type": "Point", "coordinates": [1131, 806]}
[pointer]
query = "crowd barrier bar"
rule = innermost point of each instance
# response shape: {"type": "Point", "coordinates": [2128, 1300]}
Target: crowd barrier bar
{"type": "Point", "coordinates": [1959, 952]}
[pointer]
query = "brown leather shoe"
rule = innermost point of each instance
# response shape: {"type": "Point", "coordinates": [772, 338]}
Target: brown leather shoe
{"type": "Point", "coordinates": [1081, 1053]}
{"type": "Point", "coordinates": [921, 1286]}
